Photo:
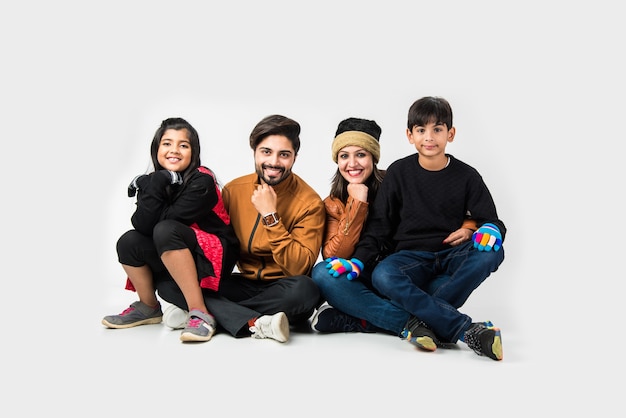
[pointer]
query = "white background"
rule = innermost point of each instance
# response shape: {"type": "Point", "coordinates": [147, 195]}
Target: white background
{"type": "Point", "coordinates": [537, 90]}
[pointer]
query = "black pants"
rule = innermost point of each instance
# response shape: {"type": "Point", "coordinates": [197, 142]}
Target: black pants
{"type": "Point", "coordinates": [238, 300]}
{"type": "Point", "coordinates": [136, 249]}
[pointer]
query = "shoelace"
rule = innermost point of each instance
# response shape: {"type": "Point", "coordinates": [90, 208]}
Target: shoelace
{"type": "Point", "coordinates": [194, 322]}
{"type": "Point", "coordinates": [257, 332]}
{"type": "Point", "coordinates": [127, 311]}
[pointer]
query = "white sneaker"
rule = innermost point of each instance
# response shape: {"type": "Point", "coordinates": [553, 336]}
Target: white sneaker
{"type": "Point", "coordinates": [175, 317]}
{"type": "Point", "coordinates": [274, 326]}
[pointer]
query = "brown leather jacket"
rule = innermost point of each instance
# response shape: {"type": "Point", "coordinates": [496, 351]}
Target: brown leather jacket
{"type": "Point", "coordinates": [343, 226]}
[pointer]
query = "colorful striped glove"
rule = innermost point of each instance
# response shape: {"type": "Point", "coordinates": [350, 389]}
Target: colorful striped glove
{"type": "Point", "coordinates": [487, 237]}
{"type": "Point", "coordinates": [337, 266]}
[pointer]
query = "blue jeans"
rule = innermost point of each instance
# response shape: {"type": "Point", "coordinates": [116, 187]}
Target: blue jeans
{"type": "Point", "coordinates": [433, 285]}
{"type": "Point", "coordinates": [358, 299]}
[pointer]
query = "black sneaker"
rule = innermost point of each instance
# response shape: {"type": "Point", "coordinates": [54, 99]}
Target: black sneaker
{"type": "Point", "coordinates": [328, 319]}
{"type": "Point", "coordinates": [419, 334]}
{"type": "Point", "coordinates": [485, 340]}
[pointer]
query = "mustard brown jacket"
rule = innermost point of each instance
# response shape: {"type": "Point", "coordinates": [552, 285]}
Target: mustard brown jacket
{"type": "Point", "coordinates": [289, 248]}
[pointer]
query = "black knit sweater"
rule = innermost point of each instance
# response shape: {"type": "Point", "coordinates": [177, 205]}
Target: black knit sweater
{"type": "Point", "coordinates": [417, 209]}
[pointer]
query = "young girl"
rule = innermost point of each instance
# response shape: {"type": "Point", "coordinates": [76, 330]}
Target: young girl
{"type": "Point", "coordinates": [182, 236]}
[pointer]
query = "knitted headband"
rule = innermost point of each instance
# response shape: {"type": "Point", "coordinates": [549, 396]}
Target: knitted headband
{"type": "Point", "coordinates": [359, 139]}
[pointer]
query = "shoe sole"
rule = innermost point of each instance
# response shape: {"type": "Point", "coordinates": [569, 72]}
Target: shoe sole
{"type": "Point", "coordinates": [423, 342]}
{"type": "Point", "coordinates": [493, 340]}
{"type": "Point", "coordinates": [191, 337]}
{"type": "Point", "coordinates": [280, 327]}
{"type": "Point", "coordinates": [175, 317]}
{"type": "Point", "coordinates": [149, 321]}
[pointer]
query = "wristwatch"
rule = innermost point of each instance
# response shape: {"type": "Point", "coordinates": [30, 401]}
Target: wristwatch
{"type": "Point", "coordinates": [270, 219]}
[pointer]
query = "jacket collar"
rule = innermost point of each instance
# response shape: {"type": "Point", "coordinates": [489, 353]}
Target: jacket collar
{"type": "Point", "coordinates": [283, 186]}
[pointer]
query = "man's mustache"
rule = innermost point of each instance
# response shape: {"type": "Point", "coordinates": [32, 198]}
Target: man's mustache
{"type": "Point", "coordinates": [273, 167]}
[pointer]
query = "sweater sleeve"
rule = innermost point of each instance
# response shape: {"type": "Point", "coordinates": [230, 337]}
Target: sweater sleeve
{"type": "Point", "coordinates": [187, 203]}
{"type": "Point", "coordinates": [343, 226]}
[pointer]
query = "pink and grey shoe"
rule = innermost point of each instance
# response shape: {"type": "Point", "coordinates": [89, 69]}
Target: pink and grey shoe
{"type": "Point", "coordinates": [200, 327]}
{"type": "Point", "coordinates": [138, 313]}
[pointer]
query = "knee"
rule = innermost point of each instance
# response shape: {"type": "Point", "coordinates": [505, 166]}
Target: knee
{"type": "Point", "coordinates": [310, 287]}
{"type": "Point", "coordinates": [303, 290]}
{"type": "Point", "coordinates": [163, 230]}
{"type": "Point", "coordinates": [493, 258]}
{"type": "Point", "coordinates": [127, 242]}
{"type": "Point", "coordinates": [381, 280]}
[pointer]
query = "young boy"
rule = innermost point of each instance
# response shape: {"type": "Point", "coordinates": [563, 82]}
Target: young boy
{"type": "Point", "coordinates": [422, 199]}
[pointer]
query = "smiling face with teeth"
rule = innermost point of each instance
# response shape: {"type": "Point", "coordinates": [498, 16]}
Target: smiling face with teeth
{"type": "Point", "coordinates": [174, 151]}
{"type": "Point", "coordinates": [355, 164]}
{"type": "Point", "coordinates": [274, 157]}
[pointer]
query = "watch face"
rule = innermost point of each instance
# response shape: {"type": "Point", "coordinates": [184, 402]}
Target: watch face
{"type": "Point", "coordinates": [270, 219]}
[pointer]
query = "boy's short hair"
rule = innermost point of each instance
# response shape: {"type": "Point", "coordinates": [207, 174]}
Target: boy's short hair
{"type": "Point", "coordinates": [430, 109]}
{"type": "Point", "coordinates": [276, 125]}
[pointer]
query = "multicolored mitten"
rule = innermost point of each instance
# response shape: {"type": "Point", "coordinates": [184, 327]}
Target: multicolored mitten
{"type": "Point", "coordinates": [487, 237]}
{"type": "Point", "coordinates": [337, 266]}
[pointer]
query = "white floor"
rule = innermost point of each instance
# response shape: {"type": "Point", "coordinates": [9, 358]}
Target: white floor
{"type": "Point", "coordinates": [356, 372]}
{"type": "Point", "coordinates": [311, 374]}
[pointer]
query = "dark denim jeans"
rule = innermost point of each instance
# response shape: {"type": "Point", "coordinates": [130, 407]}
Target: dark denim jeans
{"type": "Point", "coordinates": [356, 298]}
{"type": "Point", "coordinates": [433, 285]}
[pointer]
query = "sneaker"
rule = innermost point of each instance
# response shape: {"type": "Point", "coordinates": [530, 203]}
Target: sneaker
{"type": "Point", "coordinates": [274, 326]}
{"type": "Point", "coordinates": [419, 334]}
{"type": "Point", "coordinates": [175, 317]}
{"type": "Point", "coordinates": [328, 319]}
{"type": "Point", "coordinates": [200, 326]}
{"type": "Point", "coordinates": [484, 339]}
{"type": "Point", "coordinates": [138, 313]}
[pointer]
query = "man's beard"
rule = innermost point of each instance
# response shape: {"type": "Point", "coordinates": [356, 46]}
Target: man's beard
{"type": "Point", "coordinates": [274, 180]}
